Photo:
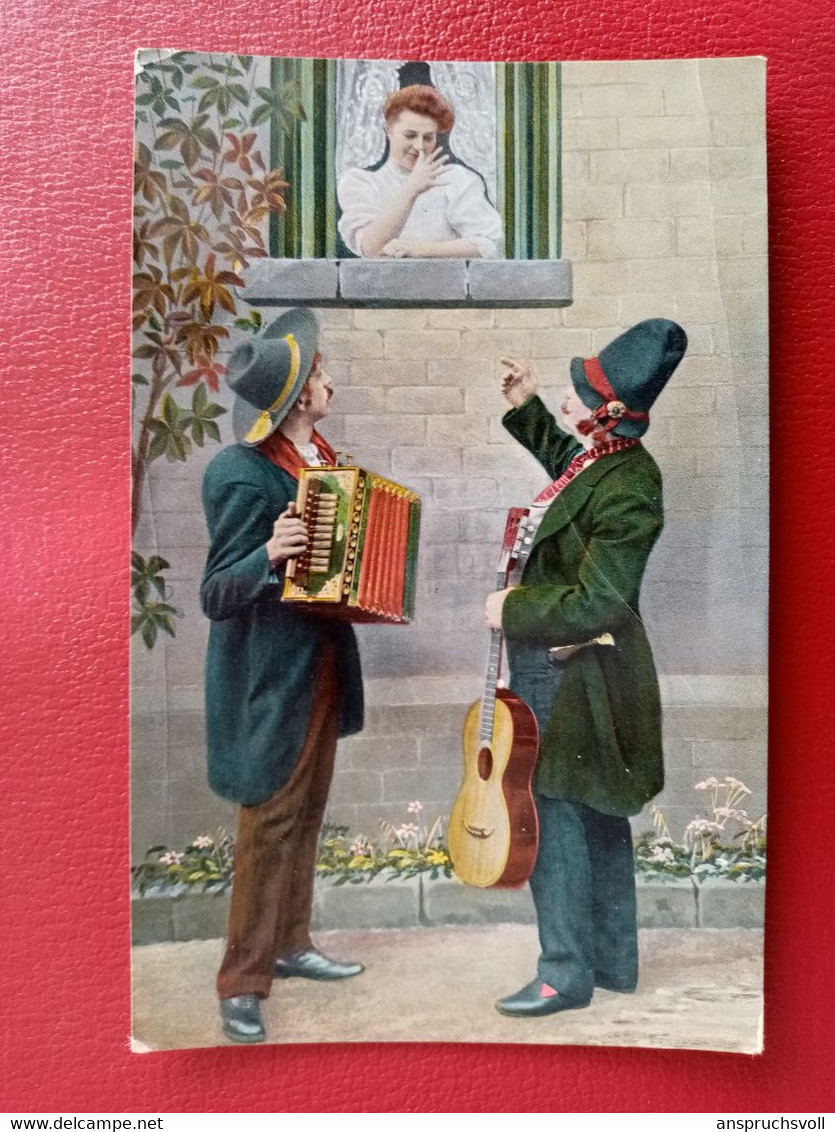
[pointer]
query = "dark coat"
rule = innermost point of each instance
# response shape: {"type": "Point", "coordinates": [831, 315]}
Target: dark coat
{"type": "Point", "coordinates": [262, 655]}
{"type": "Point", "coordinates": [602, 742]}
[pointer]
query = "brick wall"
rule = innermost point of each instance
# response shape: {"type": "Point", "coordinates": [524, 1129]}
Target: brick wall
{"type": "Point", "coordinates": [664, 215]}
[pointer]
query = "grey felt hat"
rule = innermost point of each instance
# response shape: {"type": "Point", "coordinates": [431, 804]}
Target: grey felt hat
{"type": "Point", "coordinates": [268, 374]}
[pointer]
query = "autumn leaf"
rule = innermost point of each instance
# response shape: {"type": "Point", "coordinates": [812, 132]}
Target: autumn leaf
{"type": "Point", "coordinates": [216, 191]}
{"type": "Point", "coordinates": [149, 289]}
{"type": "Point", "coordinates": [240, 152]}
{"type": "Point", "coordinates": [206, 370]}
{"type": "Point", "coordinates": [200, 339]}
{"type": "Point", "coordinates": [143, 245]}
{"type": "Point", "coordinates": [208, 289]}
{"type": "Point", "coordinates": [191, 137]}
{"type": "Point", "coordinates": [178, 230]}
{"type": "Point", "coordinates": [147, 182]}
{"type": "Point", "coordinates": [268, 190]}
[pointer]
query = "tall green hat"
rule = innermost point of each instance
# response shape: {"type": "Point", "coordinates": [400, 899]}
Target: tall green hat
{"type": "Point", "coordinates": [268, 374]}
{"type": "Point", "coordinates": [621, 384]}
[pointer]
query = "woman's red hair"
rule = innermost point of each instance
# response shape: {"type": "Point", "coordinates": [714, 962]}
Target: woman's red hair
{"type": "Point", "coordinates": [425, 100]}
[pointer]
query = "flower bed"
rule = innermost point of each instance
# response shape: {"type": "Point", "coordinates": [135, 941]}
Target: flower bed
{"type": "Point", "coordinates": [725, 844]}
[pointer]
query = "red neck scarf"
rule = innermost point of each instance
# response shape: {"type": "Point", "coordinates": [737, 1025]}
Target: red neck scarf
{"type": "Point", "coordinates": [281, 450]}
{"type": "Point", "coordinates": [580, 461]}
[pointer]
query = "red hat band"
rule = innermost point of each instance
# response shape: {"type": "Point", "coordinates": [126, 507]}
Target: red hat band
{"type": "Point", "coordinates": [613, 409]}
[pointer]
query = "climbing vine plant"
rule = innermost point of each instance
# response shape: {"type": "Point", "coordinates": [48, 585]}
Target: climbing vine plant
{"type": "Point", "coordinates": [203, 193]}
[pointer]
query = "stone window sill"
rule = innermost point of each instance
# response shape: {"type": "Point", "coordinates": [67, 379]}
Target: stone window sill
{"type": "Point", "coordinates": [409, 282]}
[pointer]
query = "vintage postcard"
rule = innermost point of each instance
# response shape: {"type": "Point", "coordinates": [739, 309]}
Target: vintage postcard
{"type": "Point", "coordinates": [450, 512]}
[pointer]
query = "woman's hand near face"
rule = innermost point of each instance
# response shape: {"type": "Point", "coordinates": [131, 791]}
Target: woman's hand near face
{"type": "Point", "coordinates": [427, 171]}
{"type": "Point", "coordinates": [520, 382]}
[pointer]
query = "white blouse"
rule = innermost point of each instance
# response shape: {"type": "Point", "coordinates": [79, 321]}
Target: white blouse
{"type": "Point", "coordinates": [456, 209]}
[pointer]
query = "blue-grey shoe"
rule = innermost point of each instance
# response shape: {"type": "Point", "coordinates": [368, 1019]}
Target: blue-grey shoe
{"type": "Point", "coordinates": [535, 1000]}
{"type": "Point", "coordinates": [312, 964]}
{"type": "Point", "coordinates": [241, 1019]}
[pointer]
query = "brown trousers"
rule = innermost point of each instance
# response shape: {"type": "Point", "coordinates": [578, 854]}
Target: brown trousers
{"type": "Point", "coordinates": [275, 855]}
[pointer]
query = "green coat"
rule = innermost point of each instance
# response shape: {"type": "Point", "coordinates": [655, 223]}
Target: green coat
{"type": "Point", "coordinates": [602, 745]}
{"type": "Point", "coordinates": [262, 655]}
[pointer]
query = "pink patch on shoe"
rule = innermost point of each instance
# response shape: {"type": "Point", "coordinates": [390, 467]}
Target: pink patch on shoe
{"type": "Point", "coordinates": [547, 992]}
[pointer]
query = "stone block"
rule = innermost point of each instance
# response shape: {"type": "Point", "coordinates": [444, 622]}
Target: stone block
{"type": "Point", "coordinates": [673, 274]}
{"type": "Point", "coordinates": [671, 199]}
{"type": "Point", "coordinates": [592, 202]}
{"type": "Point", "coordinates": [592, 310]}
{"type": "Point", "coordinates": [709, 236]}
{"type": "Point", "coordinates": [377, 753]}
{"type": "Point", "coordinates": [403, 280]}
{"type": "Point", "coordinates": [199, 915]}
{"type": "Point", "coordinates": [564, 342]}
{"type": "Point", "coordinates": [274, 281]}
{"type": "Point", "coordinates": [605, 279]}
{"type": "Point", "coordinates": [461, 319]}
{"type": "Point", "coordinates": [738, 161]}
{"type": "Point", "coordinates": [621, 100]}
{"type": "Point", "coordinates": [490, 459]}
{"type": "Point", "coordinates": [422, 344]}
{"type": "Point", "coordinates": [470, 495]}
{"type": "Point", "coordinates": [384, 429]}
{"type": "Point", "coordinates": [410, 371]}
{"type": "Point", "coordinates": [450, 901]}
{"type": "Point", "coordinates": [629, 238]}
{"type": "Point", "coordinates": [459, 372]}
{"type": "Point", "coordinates": [733, 82]}
{"type": "Point", "coordinates": [380, 318]}
{"type": "Point", "coordinates": [672, 131]}
{"type": "Point", "coordinates": [440, 461]}
{"type": "Point", "coordinates": [740, 196]}
{"type": "Point", "coordinates": [456, 431]}
{"type": "Point", "coordinates": [352, 344]}
{"type": "Point", "coordinates": [521, 280]}
{"type": "Point", "coordinates": [689, 165]}
{"type": "Point", "coordinates": [534, 318]}
{"type": "Point", "coordinates": [731, 904]}
{"type": "Point", "coordinates": [626, 166]}
{"type": "Point", "coordinates": [375, 904]}
{"type": "Point", "coordinates": [666, 904]}
{"type": "Point", "coordinates": [355, 786]}
{"type": "Point", "coordinates": [424, 784]}
{"type": "Point", "coordinates": [738, 129]}
{"type": "Point", "coordinates": [150, 918]}
{"type": "Point", "coordinates": [362, 399]}
{"type": "Point", "coordinates": [589, 134]}
{"type": "Point", "coordinates": [424, 399]}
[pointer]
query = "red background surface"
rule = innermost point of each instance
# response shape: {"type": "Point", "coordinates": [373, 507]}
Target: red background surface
{"type": "Point", "coordinates": [65, 261]}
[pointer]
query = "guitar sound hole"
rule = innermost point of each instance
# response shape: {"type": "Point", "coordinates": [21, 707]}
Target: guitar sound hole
{"type": "Point", "coordinates": [485, 763]}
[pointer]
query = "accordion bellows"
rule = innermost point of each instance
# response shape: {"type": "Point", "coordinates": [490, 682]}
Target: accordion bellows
{"type": "Point", "coordinates": [361, 557]}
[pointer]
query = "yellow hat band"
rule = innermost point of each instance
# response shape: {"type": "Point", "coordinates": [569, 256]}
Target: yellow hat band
{"type": "Point", "coordinates": [264, 422]}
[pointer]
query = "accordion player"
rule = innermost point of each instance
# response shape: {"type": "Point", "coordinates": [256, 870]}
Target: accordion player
{"type": "Point", "coordinates": [361, 558]}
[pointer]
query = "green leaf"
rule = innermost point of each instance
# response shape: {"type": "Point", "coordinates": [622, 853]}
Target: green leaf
{"type": "Point", "coordinates": [205, 82]}
{"type": "Point", "coordinates": [261, 114]}
{"type": "Point", "coordinates": [139, 379]}
{"type": "Point", "coordinates": [149, 633]}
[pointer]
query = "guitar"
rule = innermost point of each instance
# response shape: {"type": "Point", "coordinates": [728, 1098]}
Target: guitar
{"type": "Point", "coordinates": [493, 828]}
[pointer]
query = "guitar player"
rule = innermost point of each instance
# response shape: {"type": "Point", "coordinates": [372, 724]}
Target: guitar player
{"type": "Point", "coordinates": [599, 711]}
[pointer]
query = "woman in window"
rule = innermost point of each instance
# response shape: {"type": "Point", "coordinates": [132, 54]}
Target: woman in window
{"type": "Point", "coordinates": [419, 203]}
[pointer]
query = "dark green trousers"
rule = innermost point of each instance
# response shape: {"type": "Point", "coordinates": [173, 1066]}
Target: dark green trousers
{"type": "Point", "coordinates": [583, 883]}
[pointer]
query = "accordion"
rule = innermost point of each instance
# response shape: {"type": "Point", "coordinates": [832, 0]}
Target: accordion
{"type": "Point", "coordinates": [361, 557]}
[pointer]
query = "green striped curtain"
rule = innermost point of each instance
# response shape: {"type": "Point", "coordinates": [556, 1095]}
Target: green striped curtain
{"type": "Point", "coordinates": [528, 113]}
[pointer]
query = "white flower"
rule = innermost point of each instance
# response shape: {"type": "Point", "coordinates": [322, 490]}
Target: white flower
{"type": "Point", "coordinates": [203, 842]}
{"type": "Point", "coordinates": [414, 807]}
{"type": "Point", "coordinates": [406, 831]}
{"type": "Point", "coordinates": [708, 784]}
{"type": "Point", "coordinates": [735, 784]}
{"type": "Point", "coordinates": [361, 847]}
{"type": "Point", "coordinates": [170, 858]}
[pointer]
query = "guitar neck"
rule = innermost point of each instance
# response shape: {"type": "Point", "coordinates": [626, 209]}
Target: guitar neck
{"type": "Point", "coordinates": [491, 679]}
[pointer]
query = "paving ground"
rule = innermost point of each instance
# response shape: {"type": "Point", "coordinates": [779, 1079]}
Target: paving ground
{"type": "Point", "coordinates": [699, 990]}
